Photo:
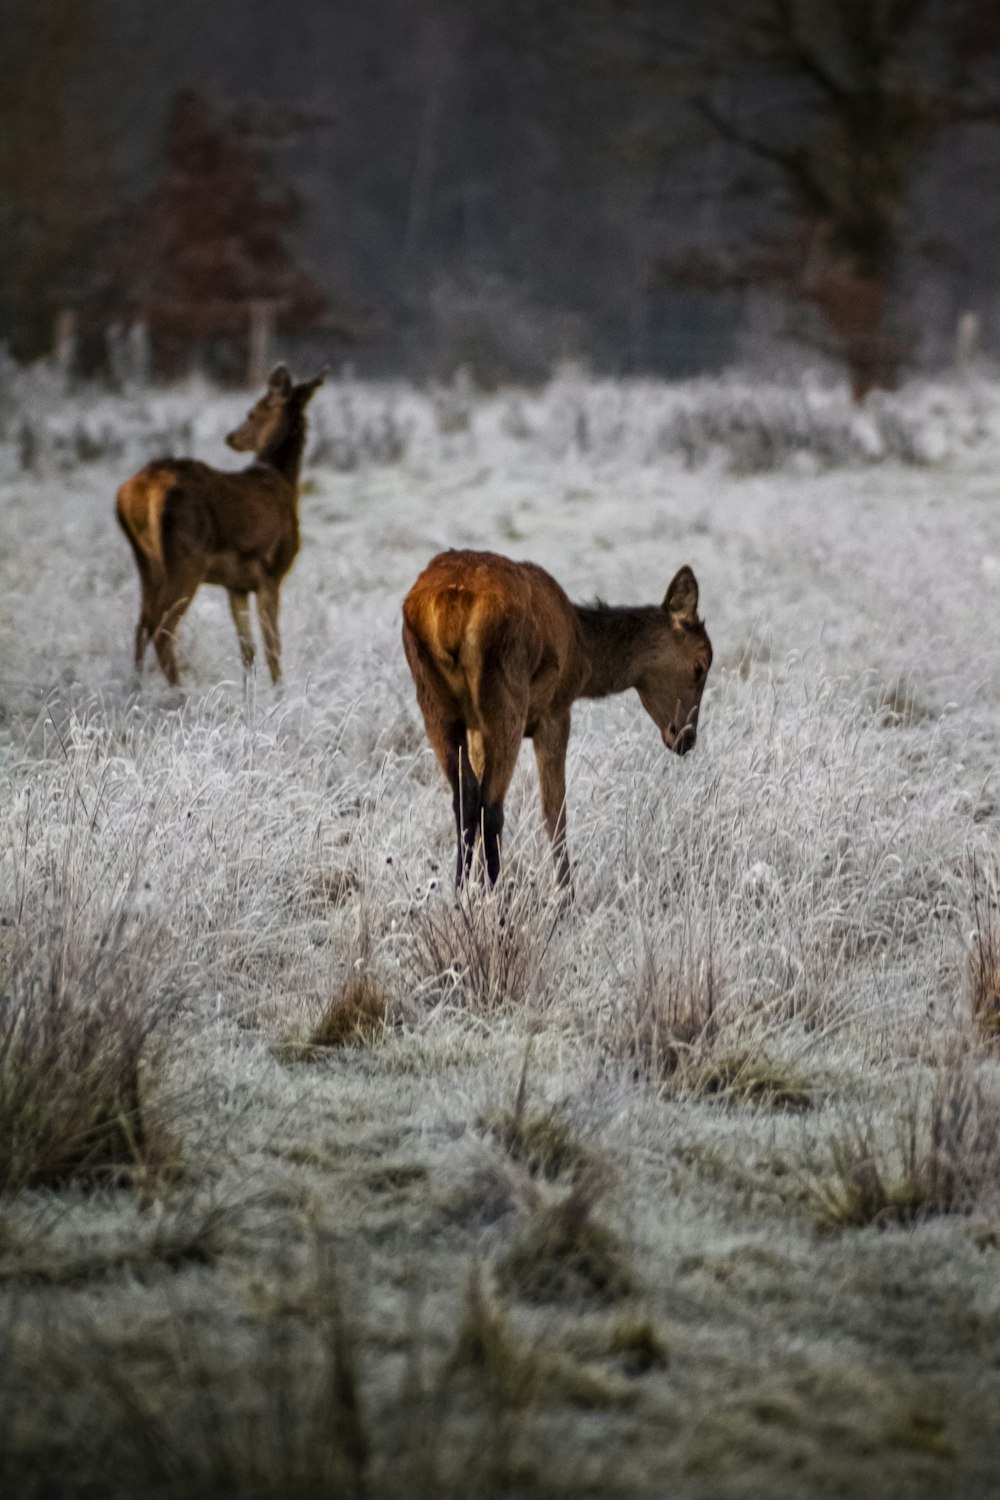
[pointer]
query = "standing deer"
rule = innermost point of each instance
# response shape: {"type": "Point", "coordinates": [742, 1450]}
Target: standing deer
{"type": "Point", "coordinates": [499, 654]}
{"type": "Point", "coordinates": [190, 524]}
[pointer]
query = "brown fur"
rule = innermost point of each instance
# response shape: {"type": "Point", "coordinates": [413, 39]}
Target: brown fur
{"type": "Point", "coordinates": [499, 654]}
{"type": "Point", "coordinates": [189, 524]}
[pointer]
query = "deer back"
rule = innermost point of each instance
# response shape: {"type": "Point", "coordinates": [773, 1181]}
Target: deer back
{"type": "Point", "coordinates": [491, 626]}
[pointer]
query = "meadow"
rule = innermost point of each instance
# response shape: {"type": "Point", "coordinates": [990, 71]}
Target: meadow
{"type": "Point", "coordinates": [316, 1181]}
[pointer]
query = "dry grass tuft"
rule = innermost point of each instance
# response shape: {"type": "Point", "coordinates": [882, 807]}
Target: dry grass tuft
{"type": "Point", "coordinates": [516, 1373]}
{"type": "Point", "coordinates": [542, 1143]}
{"type": "Point", "coordinates": [746, 1076]}
{"type": "Point", "coordinates": [564, 1254]}
{"type": "Point", "coordinates": [487, 948]}
{"type": "Point", "coordinates": [984, 956]}
{"type": "Point", "coordinates": [944, 1155]}
{"type": "Point", "coordinates": [676, 1032]}
{"type": "Point", "coordinates": [357, 1017]}
{"type": "Point", "coordinates": [630, 1342]}
{"type": "Point", "coordinates": [673, 1010]}
{"type": "Point", "coordinates": [487, 1348]}
{"type": "Point", "coordinates": [638, 1347]}
{"type": "Point", "coordinates": [79, 1054]}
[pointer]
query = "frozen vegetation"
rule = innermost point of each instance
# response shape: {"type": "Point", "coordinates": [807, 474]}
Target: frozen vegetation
{"type": "Point", "coordinates": [316, 1183]}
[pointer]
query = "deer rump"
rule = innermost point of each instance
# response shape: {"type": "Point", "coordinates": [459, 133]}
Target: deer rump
{"type": "Point", "coordinates": [499, 639]}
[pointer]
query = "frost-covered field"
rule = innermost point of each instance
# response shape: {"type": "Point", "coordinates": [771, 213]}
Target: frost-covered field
{"type": "Point", "coordinates": [692, 1188]}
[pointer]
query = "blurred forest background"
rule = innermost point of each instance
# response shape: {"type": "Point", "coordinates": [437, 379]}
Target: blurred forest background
{"type": "Point", "coordinates": [418, 185]}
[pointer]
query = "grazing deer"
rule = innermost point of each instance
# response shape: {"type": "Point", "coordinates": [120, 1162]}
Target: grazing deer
{"type": "Point", "coordinates": [499, 654]}
{"type": "Point", "coordinates": [190, 524]}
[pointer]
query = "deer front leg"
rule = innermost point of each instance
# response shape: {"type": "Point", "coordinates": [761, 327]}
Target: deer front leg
{"type": "Point", "coordinates": [239, 604]}
{"type": "Point", "coordinates": [267, 610]}
{"type": "Point", "coordinates": [551, 737]}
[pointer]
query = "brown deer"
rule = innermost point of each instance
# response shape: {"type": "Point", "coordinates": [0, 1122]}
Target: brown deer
{"type": "Point", "coordinates": [499, 654]}
{"type": "Point", "coordinates": [190, 524]}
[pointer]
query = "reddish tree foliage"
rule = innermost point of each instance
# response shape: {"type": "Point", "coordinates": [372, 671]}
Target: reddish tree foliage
{"type": "Point", "coordinates": [208, 251]}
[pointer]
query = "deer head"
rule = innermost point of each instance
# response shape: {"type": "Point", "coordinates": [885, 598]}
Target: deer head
{"type": "Point", "coordinates": [678, 658]}
{"type": "Point", "coordinates": [277, 415]}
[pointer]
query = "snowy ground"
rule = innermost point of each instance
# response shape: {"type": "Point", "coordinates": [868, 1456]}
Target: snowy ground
{"type": "Point", "coordinates": [756, 1018]}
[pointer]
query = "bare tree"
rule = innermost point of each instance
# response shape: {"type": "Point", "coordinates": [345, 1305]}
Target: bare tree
{"type": "Point", "coordinates": [810, 122]}
{"type": "Point", "coordinates": [837, 103]}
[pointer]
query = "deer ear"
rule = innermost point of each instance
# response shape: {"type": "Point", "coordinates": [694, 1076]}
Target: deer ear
{"type": "Point", "coordinates": [279, 380]}
{"type": "Point", "coordinates": [681, 600]}
{"type": "Point", "coordinates": [308, 388]}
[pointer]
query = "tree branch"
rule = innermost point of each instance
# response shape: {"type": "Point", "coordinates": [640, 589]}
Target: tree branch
{"type": "Point", "coordinates": [801, 56]}
{"type": "Point", "coordinates": [794, 164]}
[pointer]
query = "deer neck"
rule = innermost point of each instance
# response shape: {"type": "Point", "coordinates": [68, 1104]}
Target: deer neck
{"type": "Point", "coordinates": [285, 455]}
{"type": "Point", "coordinates": [615, 645]}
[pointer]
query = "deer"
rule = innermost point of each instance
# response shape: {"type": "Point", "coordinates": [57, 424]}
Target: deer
{"type": "Point", "coordinates": [189, 524]}
{"type": "Point", "coordinates": [498, 653]}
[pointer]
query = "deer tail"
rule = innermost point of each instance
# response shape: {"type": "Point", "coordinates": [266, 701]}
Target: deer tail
{"type": "Point", "coordinates": [139, 506]}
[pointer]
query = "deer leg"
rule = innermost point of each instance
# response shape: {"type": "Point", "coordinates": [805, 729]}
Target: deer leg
{"type": "Point", "coordinates": [501, 743]}
{"type": "Point", "coordinates": [466, 796]}
{"type": "Point", "coordinates": [239, 604]}
{"type": "Point", "coordinates": [147, 604]}
{"type": "Point", "coordinates": [141, 639]}
{"type": "Point", "coordinates": [447, 734]}
{"type": "Point", "coordinates": [267, 613]}
{"type": "Point", "coordinates": [551, 737]}
{"type": "Point", "coordinates": [174, 600]}
{"type": "Point", "coordinates": [452, 751]}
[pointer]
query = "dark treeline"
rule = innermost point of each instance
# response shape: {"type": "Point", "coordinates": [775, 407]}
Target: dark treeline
{"type": "Point", "coordinates": [643, 184]}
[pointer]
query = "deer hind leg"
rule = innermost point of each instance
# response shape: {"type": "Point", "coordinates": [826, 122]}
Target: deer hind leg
{"type": "Point", "coordinates": [267, 613]}
{"type": "Point", "coordinates": [502, 733]}
{"type": "Point", "coordinates": [148, 612]}
{"type": "Point", "coordinates": [239, 604]}
{"type": "Point", "coordinates": [551, 736]}
{"type": "Point", "coordinates": [447, 733]}
{"type": "Point", "coordinates": [142, 636]}
{"type": "Point", "coordinates": [175, 596]}
{"type": "Point", "coordinates": [466, 798]}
